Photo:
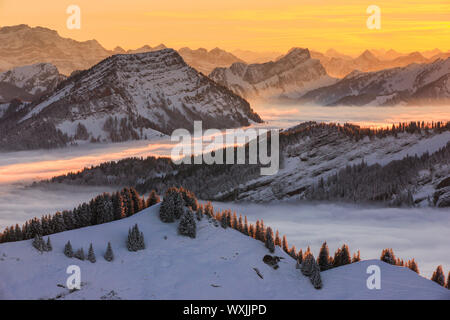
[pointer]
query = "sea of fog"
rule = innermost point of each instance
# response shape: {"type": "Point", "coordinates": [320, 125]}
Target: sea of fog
{"type": "Point", "coordinates": [420, 233]}
{"type": "Point", "coordinates": [40, 164]}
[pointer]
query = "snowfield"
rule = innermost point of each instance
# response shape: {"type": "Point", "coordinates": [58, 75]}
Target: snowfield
{"type": "Point", "coordinates": [218, 264]}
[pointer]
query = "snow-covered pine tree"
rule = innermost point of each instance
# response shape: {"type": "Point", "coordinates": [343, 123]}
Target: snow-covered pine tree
{"type": "Point", "coordinates": [109, 255]}
{"type": "Point", "coordinates": [49, 246]}
{"type": "Point", "coordinates": [324, 257]}
{"type": "Point", "coordinates": [153, 199]}
{"type": "Point", "coordinates": [388, 256]}
{"type": "Point", "coordinates": [39, 243]}
{"type": "Point", "coordinates": [188, 226]}
{"type": "Point", "coordinates": [135, 240]}
{"type": "Point", "coordinates": [199, 213]}
{"type": "Point", "coordinates": [178, 203]}
{"type": "Point", "coordinates": [438, 276]}
{"type": "Point", "coordinates": [68, 251]}
{"type": "Point", "coordinates": [315, 277]}
{"type": "Point", "coordinates": [91, 254]}
{"type": "Point", "coordinates": [307, 264]}
{"type": "Point", "coordinates": [270, 244]}
{"type": "Point", "coordinates": [224, 220]}
{"type": "Point", "coordinates": [167, 209]}
{"type": "Point", "coordinates": [79, 254]}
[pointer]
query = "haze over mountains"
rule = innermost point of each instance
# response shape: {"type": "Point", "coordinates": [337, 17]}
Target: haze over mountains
{"type": "Point", "coordinates": [150, 91]}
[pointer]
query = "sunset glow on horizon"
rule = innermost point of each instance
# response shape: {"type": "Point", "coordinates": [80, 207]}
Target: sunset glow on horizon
{"type": "Point", "coordinates": [258, 25]}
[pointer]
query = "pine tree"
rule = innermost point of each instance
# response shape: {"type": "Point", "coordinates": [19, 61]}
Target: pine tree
{"type": "Point", "coordinates": [135, 240]}
{"type": "Point", "coordinates": [39, 243]}
{"type": "Point", "coordinates": [224, 220]}
{"type": "Point", "coordinates": [277, 239]}
{"type": "Point", "coordinates": [300, 257]}
{"type": "Point", "coordinates": [199, 213]}
{"type": "Point", "coordinates": [388, 256]}
{"type": "Point", "coordinates": [270, 244]}
{"type": "Point", "coordinates": [293, 252]}
{"type": "Point", "coordinates": [245, 231]}
{"type": "Point", "coordinates": [345, 258]}
{"type": "Point", "coordinates": [49, 246]}
{"type": "Point", "coordinates": [448, 281]}
{"type": "Point", "coordinates": [412, 264]}
{"type": "Point", "coordinates": [438, 276]}
{"type": "Point", "coordinates": [324, 257]}
{"type": "Point", "coordinates": [315, 277]}
{"type": "Point", "coordinates": [153, 199]}
{"type": "Point", "coordinates": [79, 254]}
{"type": "Point", "coordinates": [68, 250]}
{"type": "Point", "coordinates": [356, 257]}
{"type": "Point", "coordinates": [166, 211]}
{"type": "Point", "coordinates": [109, 255]}
{"type": "Point", "coordinates": [187, 226]}
{"type": "Point", "coordinates": [285, 245]}
{"type": "Point", "coordinates": [240, 224]}
{"type": "Point", "coordinates": [91, 254]}
{"type": "Point", "coordinates": [308, 264]}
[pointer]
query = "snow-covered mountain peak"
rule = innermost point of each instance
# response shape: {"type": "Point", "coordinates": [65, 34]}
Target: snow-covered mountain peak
{"type": "Point", "coordinates": [143, 94]}
{"type": "Point", "coordinates": [290, 75]}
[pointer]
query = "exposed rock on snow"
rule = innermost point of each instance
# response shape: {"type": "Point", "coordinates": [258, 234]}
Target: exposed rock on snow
{"type": "Point", "coordinates": [423, 84]}
{"type": "Point", "coordinates": [290, 76]}
{"type": "Point", "coordinates": [30, 81]}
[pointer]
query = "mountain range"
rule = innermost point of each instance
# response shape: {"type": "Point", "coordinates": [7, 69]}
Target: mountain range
{"type": "Point", "coordinates": [22, 45]}
{"type": "Point", "coordinates": [126, 96]}
{"type": "Point", "coordinates": [422, 84]}
{"type": "Point", "coordinates": [291, 75]}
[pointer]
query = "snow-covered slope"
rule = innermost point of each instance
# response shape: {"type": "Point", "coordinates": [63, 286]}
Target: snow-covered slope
{"type": "Point", "coordinates": [146, 92]}
{"type": "Point", "coordinates": [35, 79]}
{"type": "Point", "coordinates": [309, 158]}
{"type": "Point", "coordinates": [22, 45]}
{"type": "Point", "coordinates": [291, 76]}
{"type": "Point", "coordinates": [218, 264]}
{"type": "Point", "coordinates": [416, 83]}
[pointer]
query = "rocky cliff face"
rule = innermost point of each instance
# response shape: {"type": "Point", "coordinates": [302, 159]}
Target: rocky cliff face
{"type": "Point", "coordinates": [291, 75]}
{"type": "Point", "coordinates": [30, 81]}
{"type": "Point", "coordinates": [22, 45]}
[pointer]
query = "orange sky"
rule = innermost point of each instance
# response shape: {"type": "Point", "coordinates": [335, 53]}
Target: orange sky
{"type": "Point", "coordinates": [260, 25]}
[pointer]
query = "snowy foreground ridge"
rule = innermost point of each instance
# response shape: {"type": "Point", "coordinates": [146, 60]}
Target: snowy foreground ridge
{"type": "Point", "coordinates": [218, 264]}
